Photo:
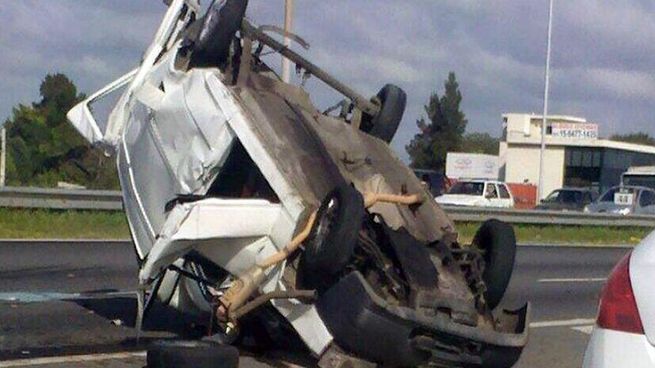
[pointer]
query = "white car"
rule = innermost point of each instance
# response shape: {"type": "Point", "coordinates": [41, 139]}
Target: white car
{"type": "Point", "coordinates": [478, 193]}
{"type": "Point", "coordinates": [625, 200]}
{"type": "Point", "coordinates": [624, 335]}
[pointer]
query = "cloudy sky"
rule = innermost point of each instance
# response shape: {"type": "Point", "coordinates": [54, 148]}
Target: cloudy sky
{"type": "Point", "coordinates": [603, 59]}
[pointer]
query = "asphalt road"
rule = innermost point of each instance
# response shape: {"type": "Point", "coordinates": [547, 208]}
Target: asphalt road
{"type": "Point", "coordinates": [59, 300]}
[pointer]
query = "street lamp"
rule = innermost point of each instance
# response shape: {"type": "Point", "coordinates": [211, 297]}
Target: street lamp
{"type": "Point", "coordinates": [288, 24]}
{"type": "Point", "coordinates": [544, 120]}
{"type": "Point", "coordinates": [3, 155]}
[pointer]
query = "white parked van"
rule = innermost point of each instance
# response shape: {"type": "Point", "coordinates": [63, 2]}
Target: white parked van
{"type": "Point", "coordinates": [478, 193]}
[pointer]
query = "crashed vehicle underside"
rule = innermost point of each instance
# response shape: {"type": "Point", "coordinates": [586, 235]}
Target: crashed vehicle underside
{"type": "Point", "coordinates": [241, 197]}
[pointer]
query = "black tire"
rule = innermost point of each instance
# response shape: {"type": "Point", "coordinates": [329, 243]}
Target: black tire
{"type": "Point", "coordinates": [211, 45]}
{"type": "Point", "coordinates": [331, 244]}
{"type": "Point", "coordinates": [497, 241]}
{"type": "Point", "coordinates": [392, 106]}
{"type": "Point", "coordinates": [183, 354]}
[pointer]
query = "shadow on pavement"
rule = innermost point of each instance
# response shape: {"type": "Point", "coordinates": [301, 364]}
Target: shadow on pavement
{"type": "Point", "coordinates": [160, 318]}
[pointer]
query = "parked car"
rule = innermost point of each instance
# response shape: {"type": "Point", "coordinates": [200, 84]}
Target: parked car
{"type": "Point", "coordinates": [568, 199]}
{"type": "Point", "coordinates": [625, 200]}
{"type": "Point", "coordinates": [478, 193]}
{"type": "Point", "coordinates": [624, 335]}
{"type": "Point", "coordinates": [259, 215]}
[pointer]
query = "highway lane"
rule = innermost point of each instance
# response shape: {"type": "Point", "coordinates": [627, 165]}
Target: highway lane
{"type": "Point", "coordinates": [563, 284]}
{"type": "Point", "coordinates": [69, 298]}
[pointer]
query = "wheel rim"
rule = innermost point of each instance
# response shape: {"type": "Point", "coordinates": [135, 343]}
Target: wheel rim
{"type": "Point", "coordinates": [325, 223]}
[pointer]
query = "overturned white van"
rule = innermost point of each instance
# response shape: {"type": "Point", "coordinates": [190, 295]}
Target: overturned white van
{"type": "Point", "coordinates": [242, 196]}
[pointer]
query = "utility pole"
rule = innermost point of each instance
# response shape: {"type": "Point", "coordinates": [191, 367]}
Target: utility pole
{"type": "Point", "coordinates": [3, 155]}
{"type": "Point", "coordinates": [288, 25]}
{"type": "Point", "coordinates": [540, 188]}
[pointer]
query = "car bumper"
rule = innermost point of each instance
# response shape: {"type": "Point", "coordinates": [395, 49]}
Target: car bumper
{"type": "Point", "coordinates": [609, 348]}
{"type": "Point", "coordinates": [363, 323]}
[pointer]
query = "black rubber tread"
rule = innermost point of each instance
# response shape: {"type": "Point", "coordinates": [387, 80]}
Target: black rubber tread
{"type": "Point", "coordinates": [191, 353]}
{"type": "Point", "coordinates": [211, 45]}
{"type": "Point", "coordinates": [498, 241]}
{"type": "Point", "coordinates": [325, 258]}
{"type": "Point", "coordinates": [392, 107]}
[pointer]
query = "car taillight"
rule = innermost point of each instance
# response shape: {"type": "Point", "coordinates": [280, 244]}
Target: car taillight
{"type": "Point", "coordinates": [618, 308]}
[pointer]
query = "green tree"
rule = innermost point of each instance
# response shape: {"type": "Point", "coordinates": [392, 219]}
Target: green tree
{"type": "Point", "coordinates": [638, 138]}
{"type": "Point", "coordinates": [441, 130]}
{"type": "Point", "coordinates": [480, 143]}
{"type": "Point", "coordinates": [44, 148]}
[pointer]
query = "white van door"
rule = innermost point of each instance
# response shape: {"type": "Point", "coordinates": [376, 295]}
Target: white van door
{"type": "Point", "coordinates": [506, 198]}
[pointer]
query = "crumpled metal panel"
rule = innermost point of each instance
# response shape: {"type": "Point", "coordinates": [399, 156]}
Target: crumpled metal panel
{"type": "Point", "coordinates": [170, 150]}
{"type": "Point", "coordinates": [151, 178]}
{"type": "Point", "coordinates": [300, 155]}
{"type": "Point", "coordinates": [316, 152]}
{"type": "Point", "coordinates": [194, 149]}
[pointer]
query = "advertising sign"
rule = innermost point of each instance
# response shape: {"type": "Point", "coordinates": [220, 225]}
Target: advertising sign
{"type": "Point", "coordinates": [574, 130]}
{"type": "Point", "coordinates": [471, 166]}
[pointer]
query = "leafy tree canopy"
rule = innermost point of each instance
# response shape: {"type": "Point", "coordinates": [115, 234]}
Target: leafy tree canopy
{"type": "Point", "coordinates": [480, 143]}
{"type": "Point", "coordinates": [639, 138]}
{"type": "Point", "coordinates": [43, 148]}
{"type": "Point", "coordinates": [441, 130]}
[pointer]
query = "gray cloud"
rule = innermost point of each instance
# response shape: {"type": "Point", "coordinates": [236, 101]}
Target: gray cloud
{"type": "Point", "coordinates": [603, 51]}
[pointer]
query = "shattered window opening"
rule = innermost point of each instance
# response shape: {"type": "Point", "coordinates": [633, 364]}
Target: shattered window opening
{"type": "Point", "coordinates": [241, 178]}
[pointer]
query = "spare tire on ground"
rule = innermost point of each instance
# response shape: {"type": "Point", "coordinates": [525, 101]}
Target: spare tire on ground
{"type": "Point", "coordinates": [199, 354]}
{"type": "Point", "coordinates": [497, 241]}
{"type": "Point", "coordinates": [331, 243]}
{"type": "Point", "coordinates": [384, 125]}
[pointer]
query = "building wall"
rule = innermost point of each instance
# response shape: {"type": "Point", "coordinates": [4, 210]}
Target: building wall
{"type": "Point", "coordinates": [522, 163]}
{"type": "Point", "coordinates": [526, 128]}
{"type": "Point", "coordinates": [519, 154]}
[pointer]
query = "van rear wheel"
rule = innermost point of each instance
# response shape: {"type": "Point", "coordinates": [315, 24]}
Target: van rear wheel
{"type": "Point", "coordinates": [392, 100]}
{"type": "Point", "coordinates": [497, 241]}
{"type": "Point", "coordinates": [331, 244]}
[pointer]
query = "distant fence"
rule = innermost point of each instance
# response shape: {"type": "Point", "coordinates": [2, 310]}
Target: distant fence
{"type": "Point", "coordinates": [83, 199]}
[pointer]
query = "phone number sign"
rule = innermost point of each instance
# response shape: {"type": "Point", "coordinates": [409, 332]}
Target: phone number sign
{"type": "Point", "coordinates": [574, 130]}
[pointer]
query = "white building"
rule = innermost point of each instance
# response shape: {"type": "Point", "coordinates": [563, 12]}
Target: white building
{"type": "Point", "coordinates": [574, 155]}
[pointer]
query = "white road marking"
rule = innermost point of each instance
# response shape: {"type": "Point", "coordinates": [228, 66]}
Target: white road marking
{"type": "Point", "coordinates": [46, 296]}
{"type": "Point", "coordinates": [587, 279]}
{"type": "Point", "coordinates": [584, 329]}
{"type": "Point", "coordinates": [563, 323]}
{"type": "Point", "coordinates": [71, 359]}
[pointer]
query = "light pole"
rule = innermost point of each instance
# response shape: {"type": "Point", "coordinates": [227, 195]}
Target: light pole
{"type": "Point", "coordinates": [540, 188]}
{"type": "Point", "coordinates": [3, 154]}
{"type": "Point", "coordinates": [288, 25]}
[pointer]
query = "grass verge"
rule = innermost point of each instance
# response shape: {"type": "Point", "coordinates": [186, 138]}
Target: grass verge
{"type": "Point", "coordinates": [58, 224]}
{"type": "Point", "coordinates": [560, 234]}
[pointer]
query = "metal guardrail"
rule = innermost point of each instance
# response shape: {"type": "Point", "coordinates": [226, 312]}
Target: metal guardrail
{"type": "Point", "coordinates": [539, 217]}
{"type": "Point", "coordinates": [72, 199]}
{"type": "Point", "coordinates": [83, 199]}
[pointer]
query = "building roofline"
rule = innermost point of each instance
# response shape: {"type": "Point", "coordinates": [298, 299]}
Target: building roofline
{"type": "Point", "coordinates": [600, 143]}
{"type": "Point", "coordinates": [575, 119]}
